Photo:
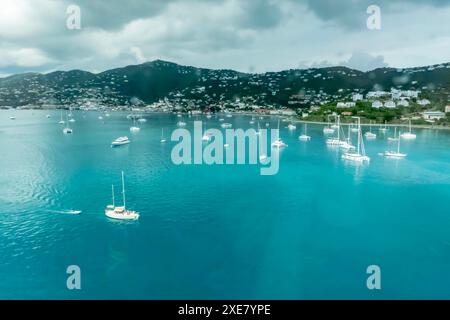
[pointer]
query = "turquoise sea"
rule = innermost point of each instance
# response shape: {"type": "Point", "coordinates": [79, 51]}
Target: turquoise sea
{"type": "Point", "coordinates": [218, 231]}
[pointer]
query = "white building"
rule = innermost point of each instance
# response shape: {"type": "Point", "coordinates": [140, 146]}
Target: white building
{"type": "Point", "coordinates": [424, 102]}
{"type": "Point", "coordinates": [390, 104]}
{"type": "Point", "coordinates": [377, 104]}
{"type": "Point", "coordinates": [403, 103]}
{"type": "Point", "coordinates": [345, 104]}
{"type": "Point", "coordinates": [357, 97]}
{"type": "Point", "coordinates": [447, 109]}
{"type": "Point", "coordinates": [433, 115]}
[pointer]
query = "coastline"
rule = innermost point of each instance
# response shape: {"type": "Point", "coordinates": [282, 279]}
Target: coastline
{"type": "Point", "coordinates": [292, 119]}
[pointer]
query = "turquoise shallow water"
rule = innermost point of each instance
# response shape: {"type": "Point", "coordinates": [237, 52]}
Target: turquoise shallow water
{"type": "Point", "coordinates": [217, 232]}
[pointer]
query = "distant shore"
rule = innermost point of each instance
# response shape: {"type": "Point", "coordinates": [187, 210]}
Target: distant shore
{"type": "Point", "coordinates": [418, 126]}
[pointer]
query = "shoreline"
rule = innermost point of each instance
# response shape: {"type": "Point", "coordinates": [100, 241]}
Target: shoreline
{"type": "Point", "coordinates": [289, 118]}
{"type": "Point", "coordinates": [417, 126]}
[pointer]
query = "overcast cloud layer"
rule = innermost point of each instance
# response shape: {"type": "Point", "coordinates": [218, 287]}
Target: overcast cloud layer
{"type": "Point", "coordinates": [246, 35]}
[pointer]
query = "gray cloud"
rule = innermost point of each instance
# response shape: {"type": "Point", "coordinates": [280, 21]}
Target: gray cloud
{"type": "Point", "coordinates": [259, 34]}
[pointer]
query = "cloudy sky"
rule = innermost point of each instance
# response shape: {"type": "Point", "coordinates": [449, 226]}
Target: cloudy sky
{"type": "Point", "coordinates": [246, 35]}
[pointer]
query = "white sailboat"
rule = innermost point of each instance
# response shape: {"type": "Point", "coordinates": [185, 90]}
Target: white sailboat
{"type": "Point", "coordinates": [336, 124]}
{"type": "Point", "coordinates": [369, 134]}
{"type": "Point", "coordinates": [181, 123]}
{"type": "Point", "coordinates": [394, 138]}
{"type": "Point", "coordinates": [395, 154]}
{"type": "Point", "coordinates": [67, 129]}
{"type": "Point", "coordinates": [336, 141]}
{"type": "Point", "coordinates": [205, 137]}
{"type": "Point", "coordinates": [304, 136]}
{"type": "Point", "coordinates": [259, 130]}
{"type": "Point", "coordinates": [360, 154]}
{"type": "Point", "coordinates": [162, 136]}
{"type": "Point", "coordinates": [134, 128]}
{"type": "Point", "coordinates": [61, 121]}
{"type": "Point", "coordinates": [328, 129]}
{"type": "Point", "coordinates": [278, 143]}
{"type": "Point", "coordinates": [120, 213]}
{"type": "Point", "coordinates": [383, 129]}
{"type": "Point", "coordinates": [347, 143]}
{"type": "Point", "coordinates": [408, 135]}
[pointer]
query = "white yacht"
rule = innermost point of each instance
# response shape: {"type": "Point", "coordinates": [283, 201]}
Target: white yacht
{"type": "Point", "coordinates": [304, 136]}
{"type": "Point", "coordinates": [48, 116]}
{"type": "Point", "coordinates": [100, 118]}
{"type": "Point", "coordinates": [120, 213]}
{"type": "Point", "coordinates": [229, 115]}
{"type": "Point", "coordinates": [142, 120]}
{"type": "Point", "coordinates": [181, 123]}
{"type": "Point", "coordinates": [394, 138]}
{"type": "Point", "coordinates": [12, 118]}
{"type": "Point", "coordinates": [120, 141]}
{"type": "Point", "coordinates": [291, 127]}
{"type": "Point", "coordinates": [221, 119]}
{"type": "Point", "coordinates": [278, 143]}
{"type": "Point", "coordinates": [395, 154]}
{"type": "Point", "coordinates": [369, 134]}
{"type": "Point", "coordinates": [226, 125]}
{"type": "Point", "coordinates": [328, 129]}
{"type": "Point", "coordinates": [208, 116]}
{"type": "Point", "coordinates": [360, 154]}
{"type": "Point", "coordinates": [408, 135]}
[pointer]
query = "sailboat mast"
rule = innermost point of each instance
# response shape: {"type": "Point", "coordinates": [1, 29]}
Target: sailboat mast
{"type": "Point", "coordinates": [112, 189]}
{"type": "Point", "coordinates": [339, 127]}
{"type": "Point", "coordinates": [359, 133]}
{"type": "Point", "coordinates": [398, 145]}
{"type": "Point", "coordinates": [123, 191]}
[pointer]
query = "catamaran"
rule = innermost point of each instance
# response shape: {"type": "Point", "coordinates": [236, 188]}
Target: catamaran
{"type": "Point", "coordinates": [395, 154]}
{"type": "Point", "coordinates": [278, 143]}
{"type": "Point", "coordinates": [394, 138]}
{"type": "Point", "coordinates": [328, 129]}
{"type": "Point", "coordinates": [304, 136]}
{"type": "Point", "coordinates": [360, 154]}
{"type": "Point", "coordinates": [120, 141]}
{"type": "Point", "coordinates": [408, 135]}
{"type": "Point", "coordinates": [369, 134]}
{"type": "Point", "coordinates": [120, 213]}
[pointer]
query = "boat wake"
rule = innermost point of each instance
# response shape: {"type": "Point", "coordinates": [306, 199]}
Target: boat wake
{"type": "Point", "coordinates": [65, 211]}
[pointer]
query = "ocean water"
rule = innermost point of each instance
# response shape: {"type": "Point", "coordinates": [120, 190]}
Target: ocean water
{"type": "Point", "coordinates": [217, 232]}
